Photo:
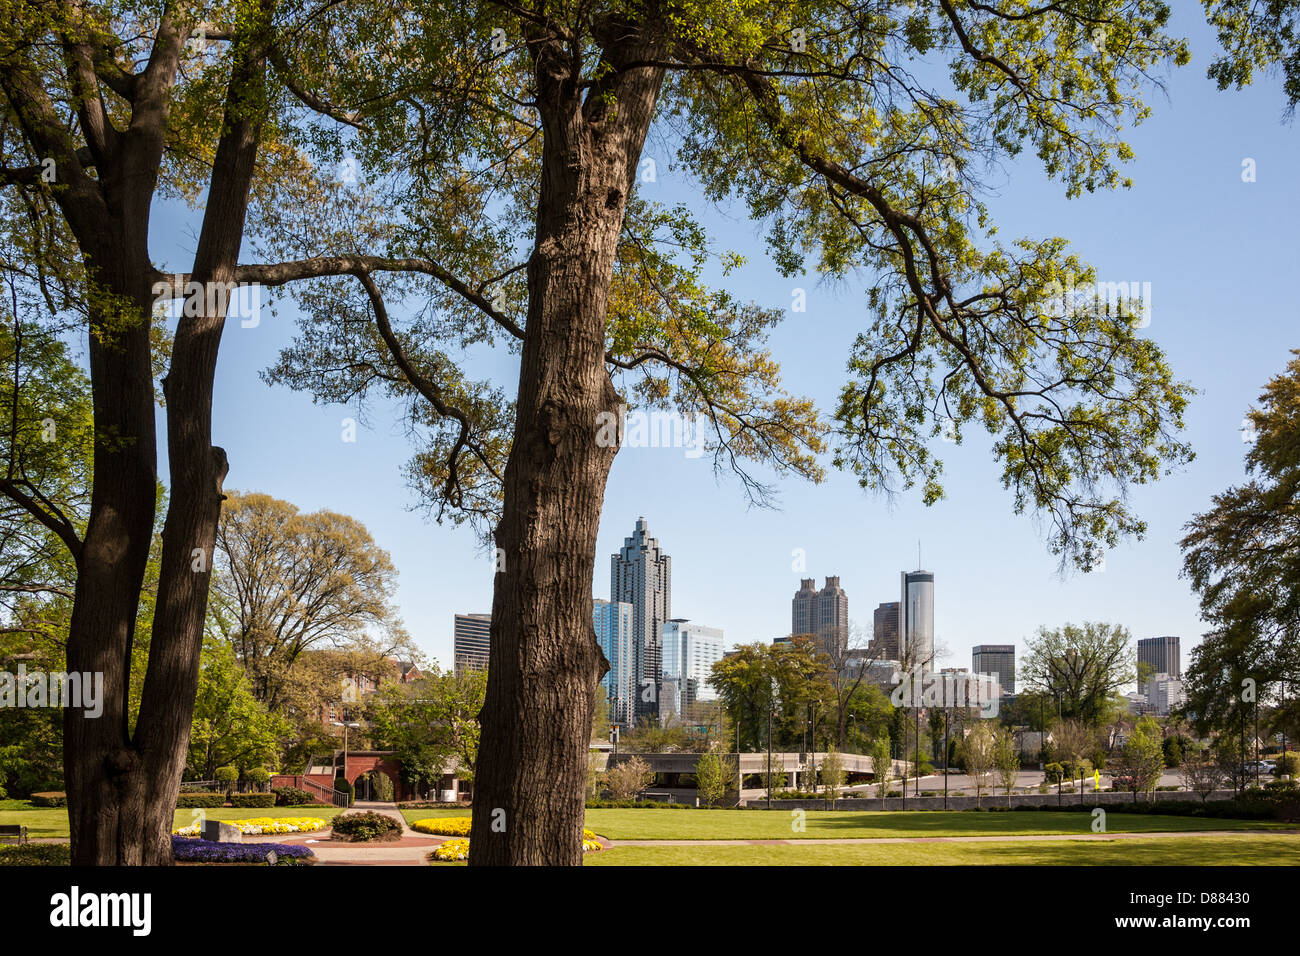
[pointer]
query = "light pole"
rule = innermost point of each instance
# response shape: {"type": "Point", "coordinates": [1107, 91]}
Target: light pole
{"type": "Point", "coordinates": [770, 708]}
{"type": "Point", "coordinates": [812, 733]}
{"type": "Point", "coordinates": [345, 724]}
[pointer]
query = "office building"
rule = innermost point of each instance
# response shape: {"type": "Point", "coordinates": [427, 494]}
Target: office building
{"type": "Point", "coordinates": [641, 575]}
{"type": "Point", "coordinates": [916, 619]}
{"type": "Point", "coordinates": [1162, 654]}
{"type": "Point", "coordinates": [471, 642]}
{"type": "Point", "coordinates": [1164, 693]}
{"type": "Point", "coordinates": [824, 614]}
{"type": "Point", "coordinates": [884, 632]}
{"type": "Point", "coordinates": [999, 659]}
{"type": "Point", "coordinates": [689, 653]}
{"type": "Point", "coordinates": [613, 621]}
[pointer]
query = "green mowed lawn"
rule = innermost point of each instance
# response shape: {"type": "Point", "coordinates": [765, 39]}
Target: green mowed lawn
{"type": "Point", "coordinates": [53, 821]}
{"type": "Point", "coordinates": [1237, 850]}
{"type": "Point", "coordinates": [823, 824]}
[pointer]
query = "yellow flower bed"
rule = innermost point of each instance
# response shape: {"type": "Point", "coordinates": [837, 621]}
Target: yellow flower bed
{"type": "Point", "coordinates": [443, 826]}
{"type": "Point", "coordinates": [259, 826]}
{"type": "Point", "coordinates": [450, 851]}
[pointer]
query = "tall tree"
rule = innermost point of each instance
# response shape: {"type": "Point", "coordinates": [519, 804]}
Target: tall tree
{"type": "Point", "coordinates": [503, 198]}
{"type": "Point", "coordinates": [1241, 558]}
{"type": "Point", "coordinates": [1257, 35]}
{"type": "Point", "coordinates": [288, 582]}
{"type": "Point", "coordinates": [1080, 667]}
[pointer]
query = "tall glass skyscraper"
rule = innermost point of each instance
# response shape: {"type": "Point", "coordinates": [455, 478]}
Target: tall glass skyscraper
{"type": "Point", "coordinates": [916, 620]}
{"type": "Point", "coordinates": [690, 651]}
{"type": "Point", "coordinates": [614, 631]}
{"type": "Point", "coordinates": [641, 575]}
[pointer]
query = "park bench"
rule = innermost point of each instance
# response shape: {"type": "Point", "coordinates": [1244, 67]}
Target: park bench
{"type": "Point", "coordinates": [13, 830]}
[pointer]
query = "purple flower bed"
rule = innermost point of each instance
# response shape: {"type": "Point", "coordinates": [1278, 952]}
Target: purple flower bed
{"type": "Point", "coordinates": [195, 850]}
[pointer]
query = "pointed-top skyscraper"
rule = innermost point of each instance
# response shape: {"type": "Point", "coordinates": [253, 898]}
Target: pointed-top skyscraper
{"type": "Point", "coordinates": [641, 575]}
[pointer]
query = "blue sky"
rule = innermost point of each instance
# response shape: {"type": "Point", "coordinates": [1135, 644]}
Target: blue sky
{"type": "Point", "coordinates": [1217, 252]}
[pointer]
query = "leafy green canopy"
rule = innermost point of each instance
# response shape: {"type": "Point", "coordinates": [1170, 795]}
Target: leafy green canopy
{"type": "Point", "coordinates": [1242, 558]}
{"type": "Point", "coordinates": [857, 134]}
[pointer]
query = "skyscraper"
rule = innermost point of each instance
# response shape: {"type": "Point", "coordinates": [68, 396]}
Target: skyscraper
{"type": "Point", "coordinates": [1163, 654]}
{"type": "Point", "coordinates": [471, 641]}
{"type": "Point", "coordinates": [613, 622]}
{"type": "Point", "coordinates": [916, 619]}
{"type": "Point", "coordinates": [999, 659]}
{"type": "Point", "coordinates": [690, 651]}
{"type": "Point", "coordinates": [823, 614]}
{"type": "Point", "coordinates": [885, 645]}
{"type": "Point", "coordinates": [641, 575]}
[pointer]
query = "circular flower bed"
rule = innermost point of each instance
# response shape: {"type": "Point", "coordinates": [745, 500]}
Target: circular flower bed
{"type": "Point", "coordinates": [365, 826]}
{"type": "Point", "coordinates": [257, 826]}
{"type": "Point", "coordinates": [450, 851]}
{"type": "Point", "coordinates": [444, 826]}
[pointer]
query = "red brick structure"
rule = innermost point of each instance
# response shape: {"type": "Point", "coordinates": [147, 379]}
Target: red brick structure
{"type": "Point", "coordinates": [319, 779]}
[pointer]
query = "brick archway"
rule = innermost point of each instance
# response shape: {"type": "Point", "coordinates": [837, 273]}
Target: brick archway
{"type": "Point", "coordinates": [362, 762]}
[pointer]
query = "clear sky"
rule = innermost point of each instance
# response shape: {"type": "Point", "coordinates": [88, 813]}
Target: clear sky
{"type": "Point", "coordinates": [1219, 254]}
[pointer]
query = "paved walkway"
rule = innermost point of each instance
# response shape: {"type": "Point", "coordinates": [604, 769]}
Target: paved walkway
{"type": "Point", "coordinates": [411, 850]}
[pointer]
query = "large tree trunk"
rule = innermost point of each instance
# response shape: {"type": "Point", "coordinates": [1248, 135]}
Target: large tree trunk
{"type": "Point", "coordinates": [536, 721]}
{"type": "Point", "coordinates": [121, 786]}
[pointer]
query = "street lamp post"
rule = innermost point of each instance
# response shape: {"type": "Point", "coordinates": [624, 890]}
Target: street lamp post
{"type": "Point", "coordinates": [812, 736]}
{"type": "Point", "coordinates": [345, 724]}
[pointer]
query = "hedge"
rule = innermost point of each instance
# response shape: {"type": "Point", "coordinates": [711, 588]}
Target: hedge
{"type": "Point", "coordinates": [51, 798]}
{"type": "Point", "coordinates": [246, 800]}
{"type": "Point", "coordinates": [36, 854]}
{"type": "Point", "coordinates": [201, 799]}
{"type": "Point", "coordinates": [293, 797]}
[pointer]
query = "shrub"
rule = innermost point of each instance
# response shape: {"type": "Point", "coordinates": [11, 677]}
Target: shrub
{"type": "Point", "coordinates": [190, 850]}
{"type": "Point", "coordinates": [228, 776]}
{"type": "Point", "coordinates": [250, 800]}
{"type": "Point", "coordinates": [259, 777]}
{"type": "Point", "coordinates": [36, 854]}
{"type": "Point", "coordinates": [292, 797]}
{"type": "Point", "coordinates": [51, 798]}
{"type": "Point", "coordinates": [367, 825]}
{"type": "Point", "coordinates": [192, 801]}
{"type": "Point", "coordinates": [341, 783]}
{"type": "Point", "coordinates": [1055, 772]}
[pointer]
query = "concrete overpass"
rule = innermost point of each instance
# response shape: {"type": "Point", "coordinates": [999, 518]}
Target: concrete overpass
{"type": "Point", "coordinates": [669, 767]}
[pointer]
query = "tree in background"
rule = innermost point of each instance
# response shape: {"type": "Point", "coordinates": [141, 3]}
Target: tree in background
{"type": "Point", "coordinates": [627, 778]}
{"type": "Point", "coordinates": [715, 774]}
{"type": "Point", "coordinates": [1241, 559]}
{"type": "Point", "coordinates": [1006, 760]}
{"type": "Point", "coordinates": [882, 764]}
{"type": "Point", "coordinates": [978, 757]}
{"type": "Point", "coordinates": [1200, 771]}
{"type": "Point", "coordinates": [1142, 757]}
{"type": "Point", "coordinates": [231, 727]}
{"type": "Point", "coordinates": [1080, 667]}
{"type": "Point", "coordinates": [288, 582]}
{"type": "Point", "coordinates": [832, 773]}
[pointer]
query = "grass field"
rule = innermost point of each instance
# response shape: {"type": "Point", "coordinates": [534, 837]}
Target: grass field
{"type": "Point", "coordinates": [1243, 850]}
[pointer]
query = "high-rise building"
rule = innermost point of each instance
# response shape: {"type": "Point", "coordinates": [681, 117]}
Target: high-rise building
{"type": "Point", "coordinates": [613, 621]}
{"type": "Point", "coordinates": [999, 659]}
{"type": "Point", "coordinates": [471, 642]}
{"type": "Point", "coordinates": [641, 575]}
{"type": "Point", "coordinates": [823, 614]}
{"type": "Point", "coordinates": [884, 633]}
{"type": "Point", "coordinates": [1165, 693]}
{"type": "Point", "coordinates": [690, 651]}
{"type": "Point", "coordinates": [1162, 653]}
{"type": "Point", "coordinates": [916, 619]}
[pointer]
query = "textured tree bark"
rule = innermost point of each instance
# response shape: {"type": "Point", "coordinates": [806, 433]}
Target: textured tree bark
{"type": "Point", "coordinates": [536, 720]}
{"type": "Point", "coordinates": [122, 786]}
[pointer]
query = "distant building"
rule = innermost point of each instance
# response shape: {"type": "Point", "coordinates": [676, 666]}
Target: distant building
{"type": "Point", "coordinates": [641, 575]}
{"type": "Point", "coordinates": [884, 640]}
{"type": "Point", "coordinates": [615, 632]}
{"type": "Point", "coordinates": [1164, 693]}
{"type": "Point", "coordinates": [690, 651]}
{"type": "Point", "coordinates": [1163, 654]}
{"type": "Point", "coordinates": [823, 614]}
{"type": "Point", "coordinates": [471, 642]}
{"type": "Point", "coordinates": [916, 619]}
{"type": "Point", "coordinates": [999, 659]}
